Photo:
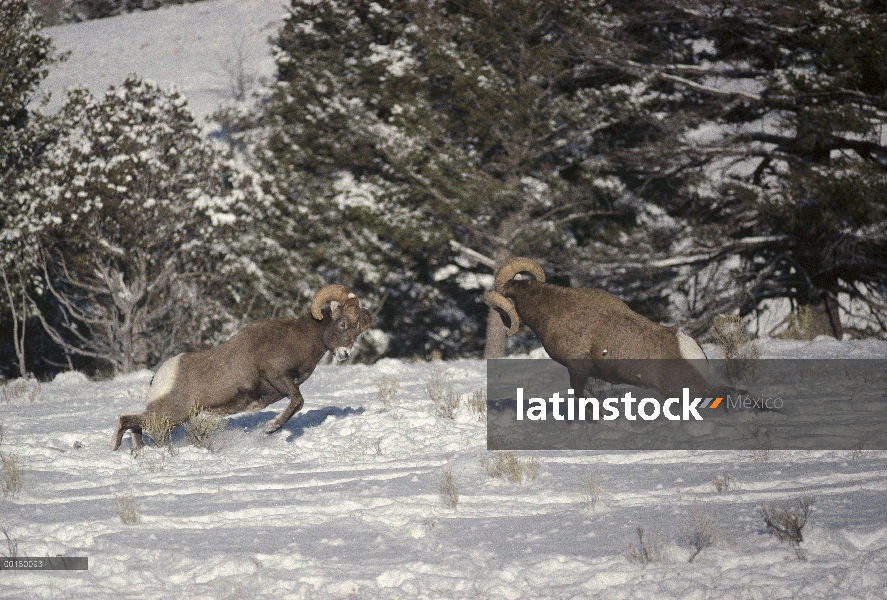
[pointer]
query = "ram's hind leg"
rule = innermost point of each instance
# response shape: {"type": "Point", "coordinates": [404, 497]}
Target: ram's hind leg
{"type": "Point", "coordinates": [132, 423]}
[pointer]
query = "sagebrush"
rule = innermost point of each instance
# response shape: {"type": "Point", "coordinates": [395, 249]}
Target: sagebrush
{"type": "Point", "coordinates": [202, 429]}
{"type": "Point", "coordinates": [645, 550]}
{"type": "Point", "coordinates": [449, 492]}
{"type": "Point", "coordinates": [787, 520]}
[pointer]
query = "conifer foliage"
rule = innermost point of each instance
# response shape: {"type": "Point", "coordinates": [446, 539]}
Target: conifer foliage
{"type": "Point", "coordinates": [443, 137]}
{"type": "Point", "coordinates": [134, 211]}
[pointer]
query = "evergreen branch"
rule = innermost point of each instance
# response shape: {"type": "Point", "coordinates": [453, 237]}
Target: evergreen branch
{"type": "Point", "coordinates": [473, 254]}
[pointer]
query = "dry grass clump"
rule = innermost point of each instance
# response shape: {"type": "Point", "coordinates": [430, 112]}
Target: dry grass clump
{"type": "Point", "coordinates": [444, 399]}
{"type": "Point", "coordinates": [506, 465]}
{"type": "Point", "coordinates": [592, 491]}
{"type": "Point", "coordinates": [738, 349]}
{"type": "Point", "coordinates": [722, 481]}
{"type": "Point", "coordinates": [477, 403]}
{"type": "Point", "coordinates": [798, 325]}
{"type": "Point", "coordinates": [202, 429]}
{"type": "Point", "coordinates": [158, 428]}
{"type": "Point", "coordinates": [11, 475]}
{"type": "Point", "coordinates": [449, 492]}
{"type": "Point", "coordinates": [760, 455]}
{"type": "Point", "coordinates": [448, 405]}
{"type": "Point", "coordinates": [388, 388]}
{"type": "Point", "coordinates": [11, 483]}
{"type": "Point", "coordinates": [646, 551]}
{"type": "Point", "coordinates": [128, 509]}
{"type": "Point", "coordinates": [21, 390]}
{"type": "Point", "coordinates": [437, 385]}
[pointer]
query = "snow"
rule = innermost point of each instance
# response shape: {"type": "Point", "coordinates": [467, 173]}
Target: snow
{"type": "Point", "coordinates": [196, 48]}
{"type": "Point", "coordinates": [345, 501]}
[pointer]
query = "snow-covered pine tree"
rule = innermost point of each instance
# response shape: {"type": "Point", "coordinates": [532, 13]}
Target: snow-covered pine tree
{"type": "Point", "coordinates": [25, 54]}
{"type": "Point", "coordinates": [413, 146]}
{"type": "Point", "coordinates": [139, 219]}
{"type": "Point", "coordinates": [767, 146]}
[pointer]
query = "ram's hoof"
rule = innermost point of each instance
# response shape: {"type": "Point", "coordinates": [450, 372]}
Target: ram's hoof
{"type": "Point", "coordinates": [271, 427]}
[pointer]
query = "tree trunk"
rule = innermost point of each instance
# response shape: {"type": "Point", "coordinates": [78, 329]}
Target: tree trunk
{"type": "Point", "coordinates": [494, 344]}
{"type": "Point", "coordinates": [825, 318]}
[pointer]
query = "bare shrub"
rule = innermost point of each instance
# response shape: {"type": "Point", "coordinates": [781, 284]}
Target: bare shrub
{"type": "Point", "coordinates": [506, 465]}
{"type": "Point", "coordinates": [722, 481]}
{"type": "Point", "coordinates": [11, 483]}
{"type": "Point", "coordinates": [202, 429]}
{"type": "Point", "coordinates": [646, 551]}
{"type": "Point", "coordinates": [449, 493]}
{"type": "Point", "coordinates": [591, 490]}
{"type": "Point", "coordinates": [477, 403]}
{"type": "Point", "coordinates": [737, 347]}
{"type": "Point", "coordinates": [388, 388]}
{"type": "Point", "coordinates": [787, 520]}
{"type": "Point", "coordinates": [703, 534]}
{"type": "Point", "coordinates": [128, 509]}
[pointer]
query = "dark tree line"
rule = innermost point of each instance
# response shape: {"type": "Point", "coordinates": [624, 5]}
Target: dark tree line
{"type": "Point", "coordinates": [694, 158]}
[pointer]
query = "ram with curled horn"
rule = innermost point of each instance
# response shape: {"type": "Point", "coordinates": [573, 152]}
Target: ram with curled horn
{"type": "Point", "coordinates": [594, 334]}
{"type": "Point", "coordinates": [264, 362]}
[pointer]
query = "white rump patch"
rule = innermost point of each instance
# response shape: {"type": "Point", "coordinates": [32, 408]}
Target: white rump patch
{"type": "Point", "coordinates": [689, 349]}
{"type": "Point", "coordinates": [164, 378]}
{"type": "Point", "coordinates": [351, 295]}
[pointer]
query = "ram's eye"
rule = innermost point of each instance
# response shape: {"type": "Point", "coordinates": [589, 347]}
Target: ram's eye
{"type": "Point", "coordinates": [343, 325]}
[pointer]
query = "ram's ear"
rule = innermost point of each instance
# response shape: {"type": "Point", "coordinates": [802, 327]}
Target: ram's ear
{"type": "Point", "coordinates": [364, 319]}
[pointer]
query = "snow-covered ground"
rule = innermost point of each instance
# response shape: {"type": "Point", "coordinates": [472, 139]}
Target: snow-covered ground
{"type": "Point", "coordinates": [198, 48]}
{"type": "Point", "coordinates": [345, 502]}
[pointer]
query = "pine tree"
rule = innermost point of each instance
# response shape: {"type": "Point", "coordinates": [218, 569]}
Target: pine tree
{"type": "Point", "coordinates": [767, 149]}
{"type": "Point", "coordinates": [25, 55]}
{"type": "Point", "coordinates": [415, 146]}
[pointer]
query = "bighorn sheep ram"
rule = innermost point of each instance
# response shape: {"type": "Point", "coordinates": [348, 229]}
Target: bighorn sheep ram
{"type": "Point", "coordinates": [264, 362]}
{"type": "Point", "coordinates": [585, 329]}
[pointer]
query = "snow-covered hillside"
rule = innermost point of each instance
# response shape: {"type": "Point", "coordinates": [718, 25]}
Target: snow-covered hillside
{"type": "Point", "coordinates": [196, 47]}
{"type": "Point", "coordinates": [346, 502]}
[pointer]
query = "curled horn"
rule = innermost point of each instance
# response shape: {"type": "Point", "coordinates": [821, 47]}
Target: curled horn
{"type": "Point", "coordinates": [497, 300]}
{"type": "Point", "coordinates": [330, 293]}
{"type": "Point", "coordinates": [514, 266]}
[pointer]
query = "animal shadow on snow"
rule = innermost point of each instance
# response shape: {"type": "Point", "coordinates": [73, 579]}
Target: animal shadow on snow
{"type": "Point", "coordinates": [296, 426]}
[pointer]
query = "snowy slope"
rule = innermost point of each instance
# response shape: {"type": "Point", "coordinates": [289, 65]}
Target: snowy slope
{"type": "Point", "coordinates": [345, 502]}
{"type": "Point", "coordinates": [193, 47]}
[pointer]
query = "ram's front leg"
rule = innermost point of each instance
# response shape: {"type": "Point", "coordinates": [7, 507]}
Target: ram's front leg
{"type": "Point", "coordinates": [290, 388]}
